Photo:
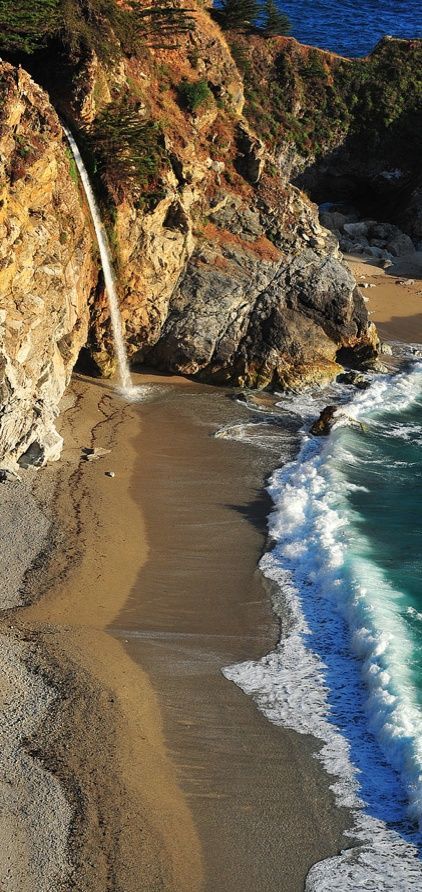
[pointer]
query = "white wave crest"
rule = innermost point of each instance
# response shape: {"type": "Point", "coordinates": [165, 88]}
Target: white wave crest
{"type": "Point", "coordinates": [359, 704]}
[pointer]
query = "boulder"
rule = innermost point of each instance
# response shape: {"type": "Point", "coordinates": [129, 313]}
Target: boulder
{"type": "Point", "coordinates": [356, 379]}
{"type": "Point", "coordinates": [357, 230]}
{"type": "Point", "coordinates": [323, 426]}
{"type": "Point", "coordinates": [333, 220]}
{"type": "Point", "coordinates": [400, 245]}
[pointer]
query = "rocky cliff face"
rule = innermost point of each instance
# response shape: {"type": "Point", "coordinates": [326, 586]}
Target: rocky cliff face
{"type": "Point", "coordinates": [224, 270]}
{"type": "Point", "coordinates": [46, 269]}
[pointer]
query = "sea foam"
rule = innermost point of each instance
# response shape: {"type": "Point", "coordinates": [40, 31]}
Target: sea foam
{"type": "Point", "coordinates": [338, 672]}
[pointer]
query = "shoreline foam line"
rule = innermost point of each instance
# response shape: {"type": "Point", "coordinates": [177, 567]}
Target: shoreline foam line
{"type": "Point", "coordinates": [314, 682]}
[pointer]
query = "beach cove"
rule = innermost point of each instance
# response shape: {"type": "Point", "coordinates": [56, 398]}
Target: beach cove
{"type": "Point", "coordinates": [210, 446]}
{"type": "Point", "coordinates": [181, 765]}
{"type": "Point", "coordinates": [132, 625]}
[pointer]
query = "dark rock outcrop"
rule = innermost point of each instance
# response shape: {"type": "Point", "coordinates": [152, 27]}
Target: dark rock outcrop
{"type": "Point", "coordinates": [323, 425]}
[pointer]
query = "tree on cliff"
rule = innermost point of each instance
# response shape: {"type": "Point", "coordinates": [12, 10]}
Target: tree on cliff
{"type": "Point", "coordinates": [274, 22]}
{"type": "Point", "coordinates": [239, 13]}
{"type": "Point", "coordinates": [262, 15]}
{"type": "Point", "coordinates": [25, 27]}
{"type": "Point", "coordinates": [160, 22]}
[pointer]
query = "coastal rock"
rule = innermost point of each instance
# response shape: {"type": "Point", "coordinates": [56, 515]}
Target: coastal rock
{"type": "Point", "coordinates": [383, 241]}
{"type": "Point", "coordinates": [258, 306]}
{"type": "Point", "coordinates": [226, 274]}
{"type": "Point", "coordinates": [356, 379]}
{"type": "Point", "coordinates": [323, 426]}
{"type": "Point", "coordinates": [400, 245]}
{"type": "Point", "coordinates": [357, 230]}
{"type": "Point", "coordinates": [46, 271]}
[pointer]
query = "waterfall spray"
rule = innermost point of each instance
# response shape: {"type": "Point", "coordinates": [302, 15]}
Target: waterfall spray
{"type": "Point", "coordinates": [109, 278]}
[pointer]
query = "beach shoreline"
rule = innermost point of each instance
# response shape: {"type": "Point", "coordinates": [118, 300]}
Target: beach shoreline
{"type": "Point", "coordinates": [97, 710]}
{"type": "Point", "coordinates": [393, 296]}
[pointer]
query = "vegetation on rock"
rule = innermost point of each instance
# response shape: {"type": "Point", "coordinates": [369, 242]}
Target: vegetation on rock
{"type": "Point", "coordinates": [259, 15]}
{"type": "Point", "coordinates": [314, 100]}
{"type": "Point", "coordinates": [81, 26]}
{"type": "Point", "coordinates": [193, 94]}
{"type": "Point", "coordinates": [25, 27]}
{"type": "Point", "coordinates": [159, 23]}
{"type": "Point", "coordinates": [129, 150]}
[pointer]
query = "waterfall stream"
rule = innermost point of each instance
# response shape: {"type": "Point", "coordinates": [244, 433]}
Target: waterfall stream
{"type": "Point", "coordinates": [109, 278]}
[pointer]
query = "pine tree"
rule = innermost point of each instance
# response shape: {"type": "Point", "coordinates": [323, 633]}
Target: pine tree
{"type": "Point", "coordinates": [25, 26]}
{"type": "Point", "coordinates": [274, 22]}
{"type": "Point", "coordinates": [160, 22]}
{"type": "Point", "coordinates": [239, 14]}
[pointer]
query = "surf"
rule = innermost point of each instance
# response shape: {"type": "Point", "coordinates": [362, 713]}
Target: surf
{"type": "Point", "coordinates": [340, 672]}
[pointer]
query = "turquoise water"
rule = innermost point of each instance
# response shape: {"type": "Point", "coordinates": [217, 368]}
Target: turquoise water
{"type": "Point", "coordinates": [350, 28]}
{"type": "Point", "coordinates": [386, 529]}
{"type": "Point", "coordinates": [346, 561]}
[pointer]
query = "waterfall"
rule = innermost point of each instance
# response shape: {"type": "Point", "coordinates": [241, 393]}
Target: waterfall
{"type": "Point", "coordinates": [109, 278]}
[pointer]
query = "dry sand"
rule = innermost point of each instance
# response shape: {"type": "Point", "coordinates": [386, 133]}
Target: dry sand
{"type": "Point", "coordinates": [395, 301]}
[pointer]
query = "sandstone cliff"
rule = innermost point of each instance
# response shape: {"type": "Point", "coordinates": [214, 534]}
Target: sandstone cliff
{"type": "Point", "coordinates": [46, 269]}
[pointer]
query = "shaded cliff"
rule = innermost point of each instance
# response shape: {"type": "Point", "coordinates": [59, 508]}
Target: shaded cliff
{"type": "Point", "coordinates": [341, 128]}
{"type": "Point", "coordinates": [47, 269]}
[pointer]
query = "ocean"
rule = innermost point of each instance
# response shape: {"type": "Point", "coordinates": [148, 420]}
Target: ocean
{"type": "Point", "coordinates": [350, 28]}
{"type": "Point", "coordinates": [345, 567]}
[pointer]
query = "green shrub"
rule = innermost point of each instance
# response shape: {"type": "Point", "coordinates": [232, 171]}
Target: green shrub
{"type": "Point", "coordinates": [80, 26]}
{"type": "Point", "coordinates": [25, 27]}
{"type": "Point", "coordinates": [193, 94]}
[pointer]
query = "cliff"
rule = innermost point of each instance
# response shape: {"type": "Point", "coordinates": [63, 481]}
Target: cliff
{"type": "Point", "coordinates": [341, 128]}
{"type": "Point", "coordinates": [47, 269]}
{"type": "Point", "coordinates": [224, 270]}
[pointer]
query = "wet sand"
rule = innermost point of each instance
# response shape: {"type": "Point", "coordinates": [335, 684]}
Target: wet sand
{"type": "Point", "coordinates": [260, 802]}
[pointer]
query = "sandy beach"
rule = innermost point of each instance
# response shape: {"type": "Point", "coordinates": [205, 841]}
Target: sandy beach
{"type": "Point", "coordinates": [165, 775]}
{"type": "Point", "coordinates": [129, 761]}
{"type": "Point", "coordinates": [394, 296]}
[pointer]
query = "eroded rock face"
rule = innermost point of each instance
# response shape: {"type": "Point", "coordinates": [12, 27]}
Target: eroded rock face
{"type": "Point", "coordinates": [261, 306]}
{"type": "Point", "coordinates": [224, 270]}
{"type": "Point", "coordinates": [229, 277]}
{"type": "Point", "coordinates": [46, 270]}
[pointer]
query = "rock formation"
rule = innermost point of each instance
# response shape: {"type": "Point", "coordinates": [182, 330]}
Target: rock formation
{"type": "Point", "coordinates": [47, 269]}
{"type": "Point", "coordinates": [225, 271]}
